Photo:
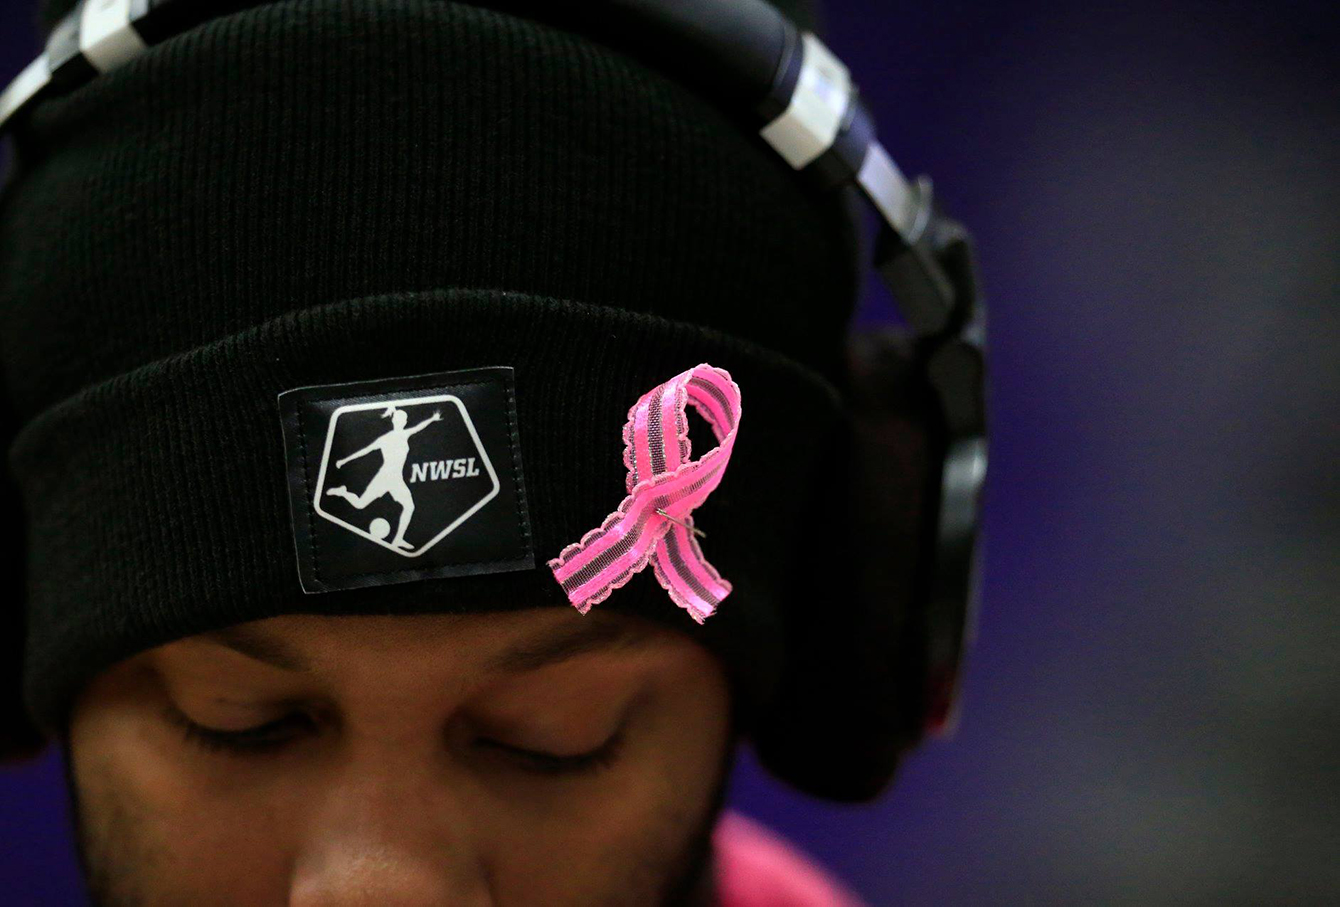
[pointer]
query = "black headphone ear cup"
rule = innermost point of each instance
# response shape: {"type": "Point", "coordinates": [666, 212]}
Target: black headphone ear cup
{"type": "Point", "coordinates": [825, 730]}
{"type": "Point", "coordinates": [19, 736]}
{"type": "Point", "coordinates": [896, 476]}
{"type": "Point", "coordinates": [851, 701]}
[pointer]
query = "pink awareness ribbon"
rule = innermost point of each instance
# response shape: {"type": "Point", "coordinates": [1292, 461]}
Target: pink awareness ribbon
{"type": "Point", "coordinates": [661, 477]}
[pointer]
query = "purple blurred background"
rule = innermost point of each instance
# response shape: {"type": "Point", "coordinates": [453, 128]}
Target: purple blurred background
{"type": "Point", "coordinates": [1152, 710]}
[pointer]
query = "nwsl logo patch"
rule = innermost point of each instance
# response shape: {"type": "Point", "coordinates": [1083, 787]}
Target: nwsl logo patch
{"type": "Point", "coordinates": [405, 478]}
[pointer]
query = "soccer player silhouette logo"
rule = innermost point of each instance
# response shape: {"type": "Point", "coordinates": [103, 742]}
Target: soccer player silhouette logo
{"type": "Point", "coordinates": [390, 478]}
{"type": "Point", "coordinates": [406, 475]}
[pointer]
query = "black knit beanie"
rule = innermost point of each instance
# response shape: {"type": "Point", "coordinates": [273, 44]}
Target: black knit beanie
{"type": "Point", "coordinates": [315, 192]}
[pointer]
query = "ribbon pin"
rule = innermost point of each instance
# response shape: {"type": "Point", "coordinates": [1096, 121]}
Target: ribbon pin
{"type": "Point", "coordinates": [654, 522]}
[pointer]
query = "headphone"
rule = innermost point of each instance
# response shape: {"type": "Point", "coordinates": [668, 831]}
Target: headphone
{"type": "Point", "coordinates": [897, 668]}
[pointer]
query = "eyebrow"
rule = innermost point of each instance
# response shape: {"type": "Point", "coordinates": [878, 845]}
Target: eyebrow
{"type": "Point", "coordinates": [545, 649]}
{"type": "Point", "coordinates": [550, 648]}
{"type": "Point", "coordinates": [261, 646]}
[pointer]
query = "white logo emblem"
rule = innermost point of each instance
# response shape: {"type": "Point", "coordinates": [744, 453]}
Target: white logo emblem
{"type": "Point", "coordinates": [393, 447]}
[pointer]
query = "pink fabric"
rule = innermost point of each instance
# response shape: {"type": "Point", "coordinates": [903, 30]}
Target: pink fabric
{"type": "Point", "coordinates": [661, 476]}
{"type": "Point", "coordinates": [758, 868]}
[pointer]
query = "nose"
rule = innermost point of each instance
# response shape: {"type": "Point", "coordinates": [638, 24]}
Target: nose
{"type": "Point", "coordinates": [390, 837]}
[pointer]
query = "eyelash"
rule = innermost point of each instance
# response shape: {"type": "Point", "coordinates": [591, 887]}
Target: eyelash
{"type": "Point", "coordinates": [542, 763]}
{"type": "Point", "coordinates": [263, 738]}
{"type": "Point", "coordinates": [274, 735]}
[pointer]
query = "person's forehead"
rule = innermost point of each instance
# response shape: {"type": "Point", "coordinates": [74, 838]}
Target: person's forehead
{"type": "Point", "coordinates": [489, 642]}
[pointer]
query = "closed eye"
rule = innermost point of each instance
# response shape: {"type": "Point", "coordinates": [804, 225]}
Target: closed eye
{"type": "Point", "coordinates": [273, 736]}
{"type": "Point", "coordinates": [546, 763]}
{"type": "Point", "coordinates": [263, 738]}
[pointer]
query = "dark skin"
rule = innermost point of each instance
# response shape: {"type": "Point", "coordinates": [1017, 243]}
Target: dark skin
{"type": "Point", "coordinates": [523, 758]}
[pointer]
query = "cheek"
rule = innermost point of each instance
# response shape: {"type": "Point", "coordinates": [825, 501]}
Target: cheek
{"type": "Point", "coordinates": [625, 831]}
{"type": "Point", "coordinates": [157, 829]}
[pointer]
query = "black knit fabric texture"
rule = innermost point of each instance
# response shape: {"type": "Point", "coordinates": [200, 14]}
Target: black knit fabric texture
{"type": "Point", "coordinates": [804, 13]}
{"type": "Point", "coordinates": [319, 191]}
